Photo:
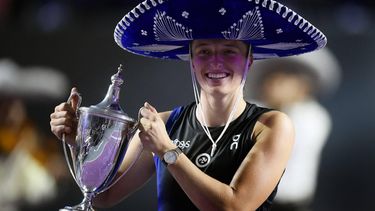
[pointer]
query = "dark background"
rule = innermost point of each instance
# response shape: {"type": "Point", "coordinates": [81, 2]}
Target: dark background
{"type": "Point", "coordinates": [76, 37]}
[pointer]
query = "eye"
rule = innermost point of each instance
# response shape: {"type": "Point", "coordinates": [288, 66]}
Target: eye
{"type": "Point", "coordinates": [203, 52]}
{"type": "Point", "coordinates": [230, 52]}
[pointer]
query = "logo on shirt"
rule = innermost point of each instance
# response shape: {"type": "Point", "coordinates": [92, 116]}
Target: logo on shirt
{"type": "Point", "coordinates": [203, 160]}
{"type": "Point", "coordinates": [234, 144]}
{"type": "Point", "coordinates": [181, 144]}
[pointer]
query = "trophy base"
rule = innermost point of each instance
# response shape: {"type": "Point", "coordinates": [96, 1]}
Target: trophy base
{"type": "Point", "coordinates": [85, 205]}
{"type": "Point", "coordinates": [79, 207]}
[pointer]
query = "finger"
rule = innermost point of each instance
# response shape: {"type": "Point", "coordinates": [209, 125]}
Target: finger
{"type": "Point", "coordinates": [66, 121]}
{"type": "Point", "coordinates": [142, 128]}
{"type": "Point", "coordinates": [145, 112]}
{"type": "Point", "coordinates": [149, 114]}
{"type": "Point", "coordinates": [150, 107]}
{"type": "Point", "coordinates": [74, 98]}
{"type": "Point", "coordinates": [62, 114]}
{"type": "Point", "coordinates": [65, 107]}
{"type": "Point", "coordinates": [141, 125]}
{"type": "Point", "coordinates": [61, 129]}
{"type": "Point", "coordinates": [144, 121]}
{"type": "Point", "coordinates": [60, 107]}
{"type": "Point", "coordinates": [145, 124]}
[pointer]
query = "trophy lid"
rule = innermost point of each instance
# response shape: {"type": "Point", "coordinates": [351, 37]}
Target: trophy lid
{"type": "Point", "coordinates": [110, 105]}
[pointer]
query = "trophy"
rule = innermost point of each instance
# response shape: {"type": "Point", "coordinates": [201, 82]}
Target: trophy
{"type": "Point", "coordinates": [102, 138]}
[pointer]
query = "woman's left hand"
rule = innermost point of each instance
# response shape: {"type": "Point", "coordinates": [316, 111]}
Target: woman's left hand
{"type": "Point", "coordinates": [153, 133]}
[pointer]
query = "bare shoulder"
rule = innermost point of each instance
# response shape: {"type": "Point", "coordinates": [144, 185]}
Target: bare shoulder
{"type": "Point", "coordinates": [273, 123]}
{"type": "Point", "coordinates": [275, 119]}
{"type": "Point", "coordinates": [165, 115]}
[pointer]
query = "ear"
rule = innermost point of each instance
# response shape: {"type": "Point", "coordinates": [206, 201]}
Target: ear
{"type": "Point", "coordinates": [191, 55]}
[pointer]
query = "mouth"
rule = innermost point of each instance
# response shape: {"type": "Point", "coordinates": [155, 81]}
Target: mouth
{"type": "Point", "coordinates": [217, 75]}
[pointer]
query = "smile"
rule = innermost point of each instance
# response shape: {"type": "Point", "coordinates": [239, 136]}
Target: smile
{"type": "Point", "coordinates": [217, 75]}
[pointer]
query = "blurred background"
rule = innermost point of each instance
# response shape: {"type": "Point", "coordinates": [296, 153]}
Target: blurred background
{"type": "Point", "coordinates": [74, 40]}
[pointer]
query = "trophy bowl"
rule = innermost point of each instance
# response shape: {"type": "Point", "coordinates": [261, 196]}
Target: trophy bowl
{"type": "Point", "coordinates": [102, 138]}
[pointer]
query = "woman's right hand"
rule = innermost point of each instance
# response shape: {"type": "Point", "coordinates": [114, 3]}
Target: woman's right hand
{"type": "Point", "coordinates": [64, 119]}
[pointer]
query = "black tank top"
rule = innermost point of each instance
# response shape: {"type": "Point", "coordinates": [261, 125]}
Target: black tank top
{"type": "Point", "coordinates": [186, 132]}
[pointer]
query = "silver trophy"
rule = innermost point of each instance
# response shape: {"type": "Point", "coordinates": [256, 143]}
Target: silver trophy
{"type": "Point", "coordinates": [103, 135]}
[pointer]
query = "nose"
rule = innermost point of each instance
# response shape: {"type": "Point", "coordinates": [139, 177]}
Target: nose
{"type": "Point", "coordinates": [216, 62]}
{"type": "Point", "coordinates": [216, 65]}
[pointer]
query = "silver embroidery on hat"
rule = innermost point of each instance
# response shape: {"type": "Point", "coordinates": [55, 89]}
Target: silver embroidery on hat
{"type": "Point", "coordinates": [222, 11]}
{"type": "Point", "coordinates": [145, 5]}
{"type": "Point", "coordinates": [279, 31]}
{"type": "Point", "coordinates": [143, 32]}
{"type": "Point", "coordinates": [249, 27]}
{"type": "Point", "coordinates": [299, 21]}
{"type": "Point", "coordinates": [168, 29]}
{"type": "Point", "coordinates": [185, 14]}
{"type": "Point", "coordinates": [153, 3]}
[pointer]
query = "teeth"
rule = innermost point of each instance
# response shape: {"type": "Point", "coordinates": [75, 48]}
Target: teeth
{"type": "Point", "coordinates": [217, 75]}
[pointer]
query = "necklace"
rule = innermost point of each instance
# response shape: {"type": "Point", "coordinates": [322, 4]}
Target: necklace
{"type": "Point", "coordinates": [203, 123]}
{"type": "Point", "coordinates": [206, 129]}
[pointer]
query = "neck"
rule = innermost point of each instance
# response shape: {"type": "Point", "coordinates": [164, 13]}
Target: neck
{"type": "Point", "coordinates": [217, 109]}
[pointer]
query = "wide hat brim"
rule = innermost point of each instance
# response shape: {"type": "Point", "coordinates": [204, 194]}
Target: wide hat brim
{"type": "Point", "coordinates": [165, 28]}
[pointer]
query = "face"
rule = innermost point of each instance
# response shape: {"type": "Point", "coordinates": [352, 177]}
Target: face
{"type": "Point", "coordinates": [281, 90]}
{"type": "Point", "coordinates": [219, 64]}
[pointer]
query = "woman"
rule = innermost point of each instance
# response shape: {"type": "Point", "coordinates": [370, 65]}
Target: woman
{"type": "Point", "coordinates": [220, 152]}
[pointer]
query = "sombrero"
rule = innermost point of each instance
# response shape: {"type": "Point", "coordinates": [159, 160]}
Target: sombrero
{"type": "Point", "coordinates": [165, 28]}
{"type": "Point", "coordinates": [32, 83]}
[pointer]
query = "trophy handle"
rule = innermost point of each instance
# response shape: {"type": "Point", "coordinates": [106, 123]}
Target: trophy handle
{"type": "Point", "coordinates": [63, 137]}
{"type": "Point", "coordinates": [136, 125]}
{"type": "Point", "coordinates": [67, 158]}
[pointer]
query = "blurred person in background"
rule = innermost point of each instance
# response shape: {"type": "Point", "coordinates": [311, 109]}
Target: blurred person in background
{"type": "Point", "coordinates": [30, 165]}
{"type": "Point", "coordinates": [293, 85]}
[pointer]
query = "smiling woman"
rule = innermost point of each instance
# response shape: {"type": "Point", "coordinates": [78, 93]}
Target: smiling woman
{"type": "Point", "coordinates": [235, 152]}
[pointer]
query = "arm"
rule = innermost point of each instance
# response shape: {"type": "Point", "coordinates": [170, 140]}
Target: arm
{"type": "Point", "coordinates": [255, 179]}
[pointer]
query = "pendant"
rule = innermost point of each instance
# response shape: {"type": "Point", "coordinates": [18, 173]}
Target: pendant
{"type": "Point", "coordinates": [213, 149]}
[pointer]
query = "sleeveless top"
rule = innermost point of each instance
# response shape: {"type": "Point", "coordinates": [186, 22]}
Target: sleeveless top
{"type": "Point", "coordinates": [186, 132]}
